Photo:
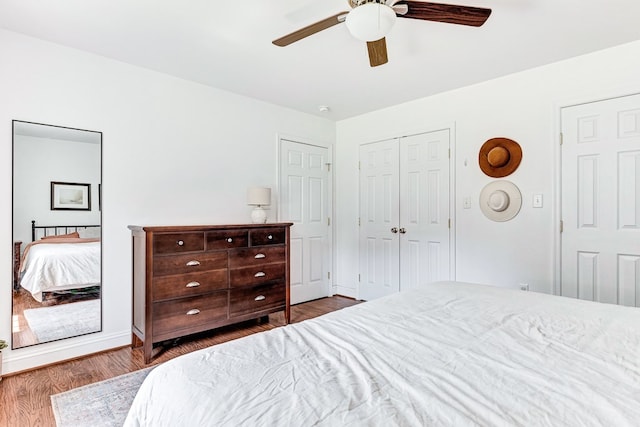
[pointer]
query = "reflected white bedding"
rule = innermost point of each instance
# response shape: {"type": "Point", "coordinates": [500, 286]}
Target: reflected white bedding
{"type": "Point", "coordinates": [60, 266]}
{"type": "Point", "coordinates": [447, 354]}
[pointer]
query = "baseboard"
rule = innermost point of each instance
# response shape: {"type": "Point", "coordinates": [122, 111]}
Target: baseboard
{"type": "Point", "coordinates": [37, 356]}
{"type": "Point", "coordinates": [344, 291]}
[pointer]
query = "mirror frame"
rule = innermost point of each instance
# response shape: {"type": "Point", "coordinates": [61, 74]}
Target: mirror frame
{"type": "Point", "coordinates": [98, 203]}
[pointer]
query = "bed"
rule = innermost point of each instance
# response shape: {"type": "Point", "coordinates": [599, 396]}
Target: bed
{"type": "Point", "coordinates": [60, 259]}
{"type": "Point", "coordinates": [445, 354]}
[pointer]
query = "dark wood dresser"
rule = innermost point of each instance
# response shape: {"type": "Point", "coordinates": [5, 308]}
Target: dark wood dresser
{"type": "Point", "coordinates": [189, 279]}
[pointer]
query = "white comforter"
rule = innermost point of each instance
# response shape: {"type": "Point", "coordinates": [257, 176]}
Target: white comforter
{"type": "Point", "coordinates": [60, 266]}
{"type": "Point", "coordinates": [447, 354]}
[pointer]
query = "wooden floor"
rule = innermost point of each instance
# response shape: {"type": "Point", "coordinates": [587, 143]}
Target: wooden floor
{"type": "Point", "coordinates": [25, 398]}
{"type": "Point", "coordinates": [22, 300]}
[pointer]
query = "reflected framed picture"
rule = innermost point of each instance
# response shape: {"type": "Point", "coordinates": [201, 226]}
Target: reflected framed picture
{"type": "Point", "coordinates": [70, 196]}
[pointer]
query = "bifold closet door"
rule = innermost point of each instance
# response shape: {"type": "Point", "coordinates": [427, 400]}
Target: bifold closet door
{"type": "Point", "coordinates": [424, 208]}
{"type": "Point", "coordinates": [379, 218]}
{"type": "Point", "coordinates": [404, 213]}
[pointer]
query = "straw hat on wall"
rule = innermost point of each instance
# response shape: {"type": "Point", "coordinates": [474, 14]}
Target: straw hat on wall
{"type": "Point", "coordinates": [500, 200]}
{"type": "Point", "coordinates": [499, 157]}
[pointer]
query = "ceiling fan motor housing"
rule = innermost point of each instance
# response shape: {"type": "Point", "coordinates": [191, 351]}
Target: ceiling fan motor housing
{"type": "Point", "coordinates": [370, 21]}
{"type": "Point", "coordinates": [356, 3]}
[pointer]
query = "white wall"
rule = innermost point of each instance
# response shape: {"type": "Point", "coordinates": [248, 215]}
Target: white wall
{"type": "Point", "coordinates": [177, 152]}
{"type": "Point", "coordinates": [174, 152]}
{"type": "Point", "coordinates": [523, 107]}
{"type": "Point", "coordinates": [38, 162]}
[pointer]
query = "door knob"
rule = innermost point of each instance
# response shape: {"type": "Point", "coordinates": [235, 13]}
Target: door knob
{"type": "Point", "coordinates": [394, 230]}
{"type": "Point", "coordinates": [402, 230]}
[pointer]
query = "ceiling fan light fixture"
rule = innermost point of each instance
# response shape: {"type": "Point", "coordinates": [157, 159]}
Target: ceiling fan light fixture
{"type": "Point", "coordinates": [371, 21]}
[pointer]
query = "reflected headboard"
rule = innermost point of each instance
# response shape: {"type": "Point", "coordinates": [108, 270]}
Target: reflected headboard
{"type": "Point", "coordinates": [39, 231]}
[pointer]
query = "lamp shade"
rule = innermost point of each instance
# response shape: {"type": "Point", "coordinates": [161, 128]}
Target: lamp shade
{"type": "Point", "coordinates": [259, 196]}
{"type": "Point", "coordinates": [371, 21]}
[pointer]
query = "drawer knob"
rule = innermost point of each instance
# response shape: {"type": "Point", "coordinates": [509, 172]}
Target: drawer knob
{"type": "Point", "coordinates": [193, 311]}
{"type": "Point", "coordinates": [259, 274]}
{"type": "Point", "coordinates": [180, 242]}
{"type": "Point", "coordinates": [229, 239]}
{"type": "Point", "coordinates": [270, 237]}
{"type": "Point", "coordinates": [258, 256]}
{"type": "Point", "coordinates": [193, 263]}
{"type": "Point", "coordinates": [193, 284]}
{"type": "Point", "coordinates": [260, 298]}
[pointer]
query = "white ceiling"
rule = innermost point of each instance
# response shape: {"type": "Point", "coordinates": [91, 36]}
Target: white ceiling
{"type": "Point", "coordinates": [227, 44]}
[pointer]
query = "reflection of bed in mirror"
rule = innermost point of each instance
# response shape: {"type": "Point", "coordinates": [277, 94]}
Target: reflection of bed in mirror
{"type": "Point", "coordinates": [61, 306]}
{"type": "Point", "coordinates": [61, 259]}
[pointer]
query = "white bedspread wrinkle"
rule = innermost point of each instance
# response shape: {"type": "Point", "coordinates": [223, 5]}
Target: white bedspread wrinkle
{"type": "Point", "coordinates": [446, 354]}
{"type": "Point", "coordinates": [61, 266]}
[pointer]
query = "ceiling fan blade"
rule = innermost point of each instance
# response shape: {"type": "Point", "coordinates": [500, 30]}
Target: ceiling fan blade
{"type": "Point", "coordinates": [449, 13]}
{"type": "Point", "coordinates": [377, 52]}
{"type": "Point", "coordinates": [311, 29]}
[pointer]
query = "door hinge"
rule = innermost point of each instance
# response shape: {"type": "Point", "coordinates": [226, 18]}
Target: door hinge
{"type": "Point", "coordinates": [358, 222]}
{"type": "Point", "coordinates": [329, 275]}
{"type": "Point", "coordinates": [561, 226]}
{"type": "Point", "coordinates": [448, 153]}
{"type": "Point", "coordinates": [328, 167]}
{"type": "Point", "coordinates": [328, 222]}
{"type": "Point", "coordinates": [449, 223]}
{"type": "Point", "coordinates": [561, 138]}
{"type": "Point", "coordinates": [358, 277]}
{"type": "Point", "coordinates": [358, 165]}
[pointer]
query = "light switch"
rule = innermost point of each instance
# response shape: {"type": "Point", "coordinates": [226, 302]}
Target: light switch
{"type": "Point", "coordinates": [537, 200]}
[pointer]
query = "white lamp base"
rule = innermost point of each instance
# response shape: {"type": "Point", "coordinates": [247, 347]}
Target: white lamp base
{"type": "Point", "coordinates": [258, 215]}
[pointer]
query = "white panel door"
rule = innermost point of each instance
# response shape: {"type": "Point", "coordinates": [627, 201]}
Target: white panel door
{"type": "Point", "coordinates": [404, 213]}
{"type": "Point", "coordinates": [379, 220]}
{"type": "Point", "coordinates": [424, 208]}
{"type": "Point", "coordinates": [304, 181]}
{"type": "Point", "coordinates": [601, 201]}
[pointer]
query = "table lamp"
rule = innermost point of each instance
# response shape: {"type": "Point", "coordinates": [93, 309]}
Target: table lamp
{"type": "Point", "coordinates": [259, 197]}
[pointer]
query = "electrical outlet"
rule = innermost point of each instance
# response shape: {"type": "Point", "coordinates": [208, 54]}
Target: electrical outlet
{"type": "Point", "coordinates": [524, 286]}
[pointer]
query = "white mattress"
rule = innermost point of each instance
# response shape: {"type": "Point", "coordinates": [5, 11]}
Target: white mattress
{"type": "Point", "coordinates": [60, 266]}
{"type": "Point", "coordinates": [446, 354]}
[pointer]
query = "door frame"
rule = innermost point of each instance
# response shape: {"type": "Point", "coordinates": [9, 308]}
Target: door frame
{"type": "Point", "coordinates": [604, 95]}
{"type": "Point", "coordinates": [330, 196]}
{"type": "Point", "coordinates": [451, 126]}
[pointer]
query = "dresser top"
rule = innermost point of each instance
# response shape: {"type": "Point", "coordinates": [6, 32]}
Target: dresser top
{"type": "Point", "coordinates": [171, 228]}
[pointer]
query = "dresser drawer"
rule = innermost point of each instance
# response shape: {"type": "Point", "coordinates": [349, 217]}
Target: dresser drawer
{"type": "Point", "coordinates": [173, 315]}
{"type": "Point", "coordinates": [256, 256]}
{"type": "Point", "coordinates": [190, 263]}
{"type": "Point", "coordinates": [257, 275]}
{"type": "Point", "coordinates": [184, 285]}
{"type": "Point", "coordinates": [175, 243]}
{"type": "Point", "coordinates": [267, 236]}
{"type": "Point", "coordinates": [219, 240]}
{"type": "Point", "coordinates": [257, 298]}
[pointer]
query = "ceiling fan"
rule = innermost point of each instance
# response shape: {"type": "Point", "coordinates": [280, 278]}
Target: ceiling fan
{"type": "Point", "coordinates": [371, 21]}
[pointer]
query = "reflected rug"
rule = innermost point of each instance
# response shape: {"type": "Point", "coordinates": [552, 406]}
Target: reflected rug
{"type": "Point", "coordinates": [65, 320]}
{"type": "Point", "coordinates": [105, 403]}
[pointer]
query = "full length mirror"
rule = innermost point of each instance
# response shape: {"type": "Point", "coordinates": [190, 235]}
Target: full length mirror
{"type": "Point", "coordinates": [57, 273]}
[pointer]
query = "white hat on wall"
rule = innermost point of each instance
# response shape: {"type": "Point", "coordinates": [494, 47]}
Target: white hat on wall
{"type": "Point", "coordinates": [500, 200]}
